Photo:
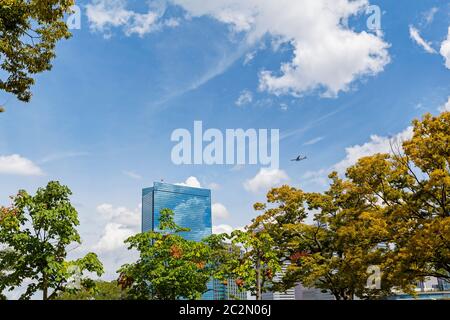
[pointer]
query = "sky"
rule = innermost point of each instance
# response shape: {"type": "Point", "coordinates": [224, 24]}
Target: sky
{"type": "Point", "coordinates": [337, 82]}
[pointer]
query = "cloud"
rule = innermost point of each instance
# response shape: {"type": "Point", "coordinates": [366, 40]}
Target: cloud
{"type": "Point", "coordinates": [103, 15]}
{"type": "Point", "coordinates": [237, 167]}
{"type": "Point", "coordinates": [120, 215]}
{"type": "Point", "coordinates": [328, 54]}
{"type": "Point", "coordinates": [445, 50]}
{"type": "Point", "coordinates": [376, 144]}
{"type": "Point", "coordinates": [222, 228]}
{"type": "Point", "coordinates": [219, 211]}
{"type": "Point", "coordinates": [245, 97]}
{"type": "Point", "coordinates": [190, 182]}
{"type": "Point", "coordinates": [18, 165]}
{"type": "Point", "coordinates": [429, 15]}
{"type": "Point", "coordinates": [445, 107]}
{"type": "Point", "coordinates": [132, 175]}
{"type": "Point", "coordinates": [313, 141]}
{"type": "Point", "coordinates": [319, 177]}
{"type": "Point", "coordinates": [63, 156]}
{"type": "Point", "coordinates": [214, 186]}
{"type": "Point", "coordinates": [113, 237]}
{"type": "Point", "coordinates": [121, 224]}
{"type": "Point", "coordinates": [265, 179]}
{"type": "Point", "coordinates": [249, 57]}
{"type": "Point", "coordinates": [417, 38]}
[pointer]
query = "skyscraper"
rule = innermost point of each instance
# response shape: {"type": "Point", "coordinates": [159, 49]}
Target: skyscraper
{"type": "Point", "coordinates": [191, 208]}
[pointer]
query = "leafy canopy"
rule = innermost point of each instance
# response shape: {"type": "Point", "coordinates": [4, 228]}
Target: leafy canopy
{"type": "Point", "coordinates": [29, 31]}
{"type": "Point", "coordinates": [169, 267]}
{"type": "Point", "coordinates": [37, 231]}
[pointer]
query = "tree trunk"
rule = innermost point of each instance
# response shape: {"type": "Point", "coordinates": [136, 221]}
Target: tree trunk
{"type": "Point", "coordinates": [44, 287]}
{"type": "Point", "coordinates": [258, 279]}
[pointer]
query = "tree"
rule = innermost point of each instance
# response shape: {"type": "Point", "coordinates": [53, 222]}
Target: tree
{"type": "Point", "coordinates": [103, 291]}
{"type": "Point", "coordinates": [169, 267]}
{"type": "Point", "coordinates": [335, 252]}
{"type": "Point", "coordinates": [413, 187]}
{"type": "Point", "coordinates": [260, 250]}
{"type": "Point", "coordinates": [256, 265]}
{"type": "Point", "coordinates": [29, 31]}
{"type": "Point", "coordinates": [349, 240]}
{"type": "Point", "coordinates": [389, 213]}
{"type": "Point", "coordinates": [38, 230]}
{"type": "Point", "coordinates": [6, 265]}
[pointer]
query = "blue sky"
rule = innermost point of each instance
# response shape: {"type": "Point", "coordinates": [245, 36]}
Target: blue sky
{"type": "Point", "coordinates": [101, 120]}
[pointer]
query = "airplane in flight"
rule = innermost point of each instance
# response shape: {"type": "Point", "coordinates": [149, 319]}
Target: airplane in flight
{"type": "Point", "coordinates": [299, 158]}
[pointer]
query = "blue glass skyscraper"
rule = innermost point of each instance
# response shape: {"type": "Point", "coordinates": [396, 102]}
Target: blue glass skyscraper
{"type": "Point", "coordinates": [191, 207]}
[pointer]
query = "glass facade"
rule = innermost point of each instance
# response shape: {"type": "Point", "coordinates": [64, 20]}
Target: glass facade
{"type": "Point", "coordinates": [191, 207]}
{"type": "Point", "coordinates": [228, 290]}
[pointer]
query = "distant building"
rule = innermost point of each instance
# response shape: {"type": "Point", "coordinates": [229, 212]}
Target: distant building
{"type": "Point", "coordinates": [228, 290]}
{"type": "Point", "coordinates": [191, 207]}
{"type": "Point", "coordinates": [302, 293]}
{"type": "Point", "coordinates": [299, 292]}
{"type": "Point", "coordinates": [288, 295]}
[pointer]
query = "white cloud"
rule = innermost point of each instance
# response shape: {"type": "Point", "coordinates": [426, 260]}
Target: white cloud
{"type": "Point", "coordinates": [142, 23]}
{"type": "Point", "coordinates": [120, 215]}
{"type": "Point", "coordinates": [190, 182]}
{"type": "Point", "coordinates": [445, 50]}
{"type": "Point", "coordinates": [313, 141]}
{"type": "Point", "coordinates": [222, 228]}
{"type": "Point", "coordinates": [327, 54]}
{"type": "Point", "coordinates": [214, 186]}
{"type": "Point", "coordinates": [445, 107]}
{"type": "Point", "coordinates": [106, 14]}
{"type": "Point", "coordinates": [429, 15]}
{"type": "Point", "coordinates": [113, 237]}
{"type": "Point", "coordinates": [18, 165]}
{"type": "Point", "coordinates": [249, 57]}
{"type": "Point", "coordinates": [121, 224]}
{"type": "Point", "coordinates": [416, 37]}
{"type": "Point", "coordinates": [266, 179]}
{"type": "Point", "coordinates": [245, 97]}
{"type": "Point", "coordinates": [219, 211]}
{"type": "Point", "coordinates": [377, 144]}
{"type": "Point", "coordinates": [319, 177]}
{"type": "Point", "coordinates": [132, 175]}
{"type": "Point", "coordinates": [63, 156]}
{"type": "Point", "coordinates": [237, 167]}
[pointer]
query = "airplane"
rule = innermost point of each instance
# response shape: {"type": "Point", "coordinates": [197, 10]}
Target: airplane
{"type": "Point", "coordinates": [300, 158]}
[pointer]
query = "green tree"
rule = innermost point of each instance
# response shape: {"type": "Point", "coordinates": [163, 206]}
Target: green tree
{"type": "Point", "coordinates": [6, 265]}
{"type": "Point", "coordinates": [38, 229]}
{"type": "Point", "coordinates": [250, 260]}
{"type": "Point", "coordinates": [29, 31]}
{"type": "Point", "coordinates": [169, 267]}
{"type": "Point", "coordinates": [103, 291]}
